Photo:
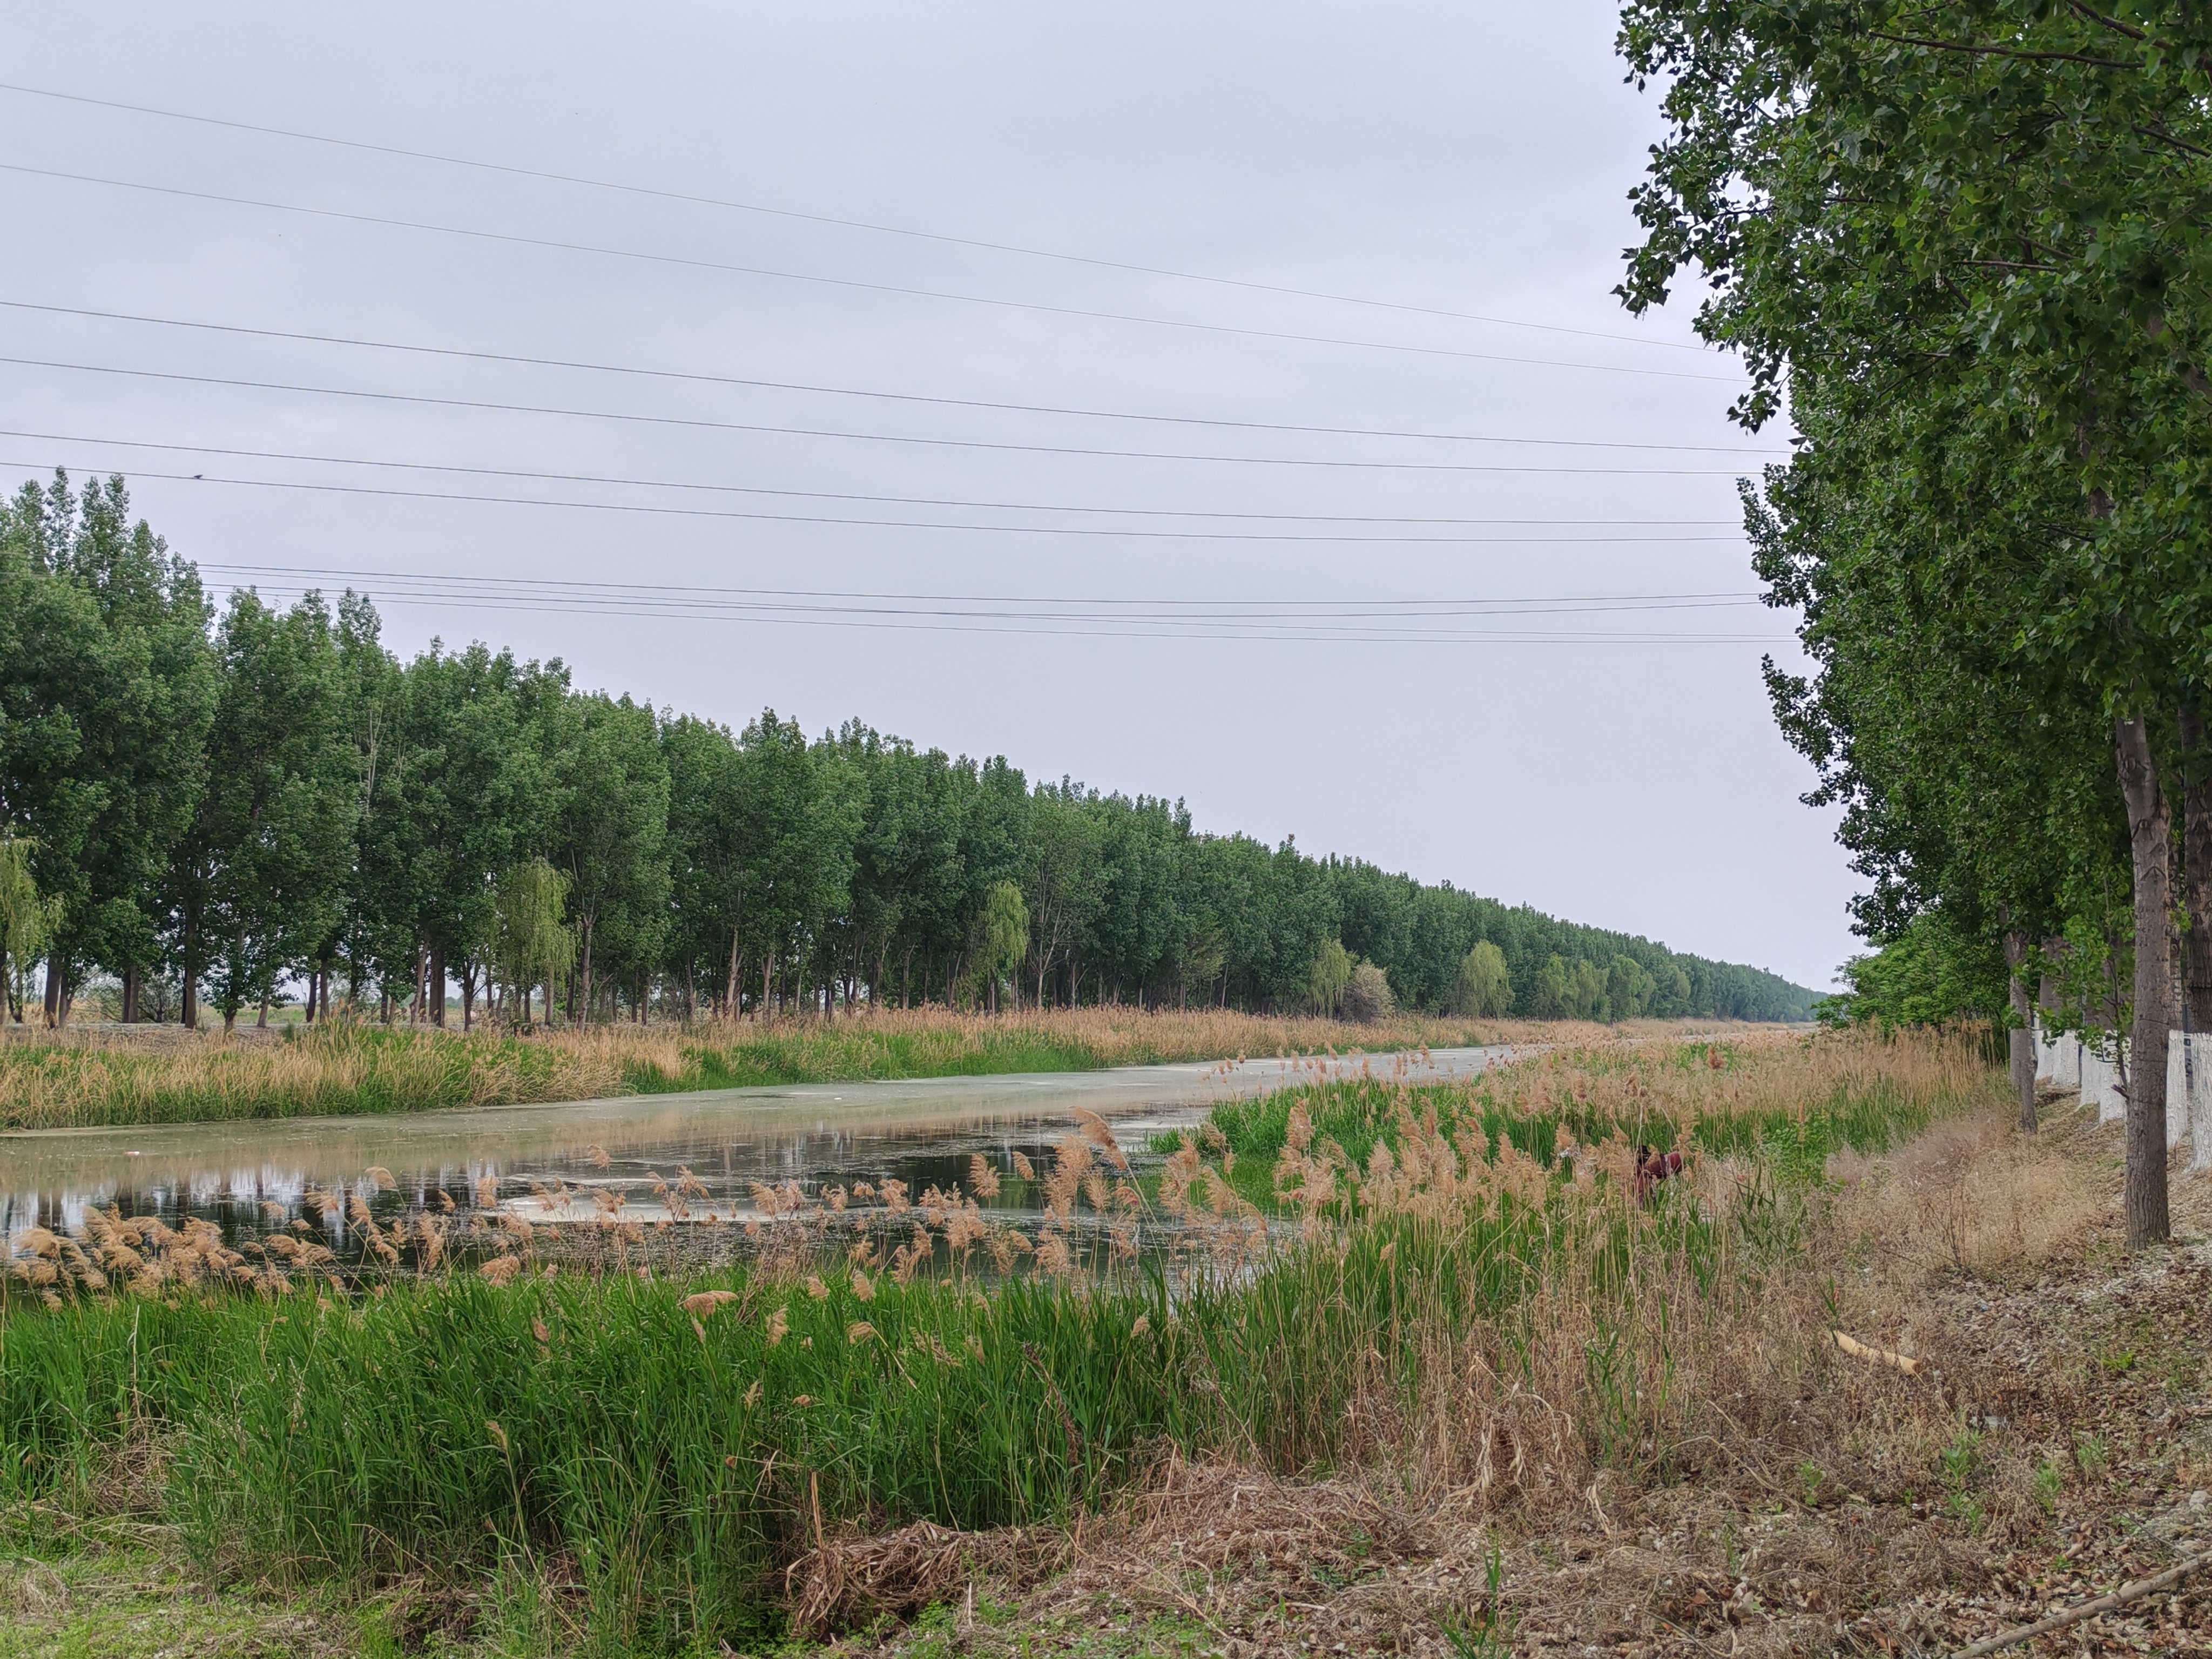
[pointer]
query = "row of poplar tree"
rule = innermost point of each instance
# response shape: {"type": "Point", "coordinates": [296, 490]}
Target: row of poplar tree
{"type": "Point", "coordinates": [223, 807]}
{"type": "Point", "coordinates": [1963, 245]}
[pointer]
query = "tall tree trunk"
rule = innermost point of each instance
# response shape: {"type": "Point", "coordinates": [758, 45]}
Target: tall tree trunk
{"type": "Point", "coordinates": [732, 980]}
{"type": "Point", "coordinates": [438, 986]}
{"type": "Point", "coordinates": [468, 995]}
{"type": "Point", "coordinates": [131, 981]}
{"type": "Point", "coordinates": [2022, 1037]}
{"type": "Point", "coordinates": [56, 975]}
{"type": "Point", "coordinates": [767, 973]}
{"type": "Point", "coordinates": [2149, 839]}
{"type": "Point", "coordinates": [2196, 866]}
{"type": "Point", "coordinates": [586, 1004]}
{"type": "Point", "coordinates": [188, 1014]}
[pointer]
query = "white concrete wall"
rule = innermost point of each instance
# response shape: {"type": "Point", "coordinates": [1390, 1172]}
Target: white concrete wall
{"type": "Point", "coordinates": [2100, 1085]}
{"type": "Point", "coordinates": [2057, 1058]}
{"type": "Point", "coordinates": [2189, 1095]}
{"type": "Point", "coordinates": [2065, 1058]}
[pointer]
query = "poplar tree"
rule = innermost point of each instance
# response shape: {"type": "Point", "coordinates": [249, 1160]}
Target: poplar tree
{"type": "Point", "coordinates": [270, 848]}
{"type": "Point", "coordinates": [1986, 215]}
{"type": "Point", "coordinates": [107, 689]}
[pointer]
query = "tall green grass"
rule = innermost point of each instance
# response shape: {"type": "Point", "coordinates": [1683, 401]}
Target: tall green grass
{"type": "Point", "coordinates": [674, 1462]}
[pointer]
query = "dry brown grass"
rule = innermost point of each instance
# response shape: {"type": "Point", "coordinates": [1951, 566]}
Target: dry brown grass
{"type": "Point", "coordinates": [91, 1075]}
{"type": "Point", "coordinates": [1971, 1194]}
{"type": "Point", "coordinates": [1773, 1496]}
{"type": "Point", "coordinates": [1642, 1069]}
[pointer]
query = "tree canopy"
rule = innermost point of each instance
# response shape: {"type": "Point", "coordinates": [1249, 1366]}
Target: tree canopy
{"type": "Point", "coordinates": [377, 830]}
{"type": "Point", "coordinates": [1962, 245]}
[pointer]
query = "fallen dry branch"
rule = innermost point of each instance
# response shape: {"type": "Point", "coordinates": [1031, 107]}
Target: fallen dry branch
{"type": "Point", "coordinates": [2119, 1597]}
{"type": "Point", "coordinates": [1874, 1356]}
{"type": "Point", "coordinates": [903, 1572]}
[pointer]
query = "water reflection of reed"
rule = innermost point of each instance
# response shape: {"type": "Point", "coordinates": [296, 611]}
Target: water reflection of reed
{"type": "Point", "coordinates": [245, 1179]}
{"type": "Point", "coordinates": [1076, 1210]}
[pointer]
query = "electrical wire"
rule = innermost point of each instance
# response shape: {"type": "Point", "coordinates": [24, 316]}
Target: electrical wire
{"type": "Point", "coordinates": [515, 240]}
{"type": "Point", "coordinates": [703, 423]}
{"type": "Point", "coordinates": [457, 593]}
{"type": "Point", "coordinates": [660, 510]}
{"type": "Point", "coordinates": [1283, 638]}
{"type": "Point", "coordinates": [846, 224]}
{"type": "Point", "coordinates": [852, 391]}
{"type": "Point", "coordinates": [841, 496]}
{"type": "Point", "coordinates": [1204, 608]}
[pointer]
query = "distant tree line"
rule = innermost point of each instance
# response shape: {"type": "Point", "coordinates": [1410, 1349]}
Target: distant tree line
{"type": "Point", "coordinates": [207, 808]}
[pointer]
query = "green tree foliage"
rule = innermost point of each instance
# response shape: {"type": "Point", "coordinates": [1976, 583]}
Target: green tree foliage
{"type": "Point", "coordinates": [374, 829]}
{"type": "Point", "coordinates": [455, 796]}
{"type": "Point", "coordinates": [1929, 974]}
{"type": "Point", "coordinates": [529, 946]}
{"type": "Point", "coordinates": [271, 842]}
{"type": "Point", "coordinates": [28, 920]}
{"type": "Point", "coordinates": [107, 686]}
{"type": "Point", "coordinates": [608, 832]}
{"type": "Point", "coordinates": [1002, 934]}
{"type": "Point", "coordinates": [1484, 985]}
{"type": "Point", "coordinates": [1628, 988]}
{"type": "Point", "coordinates": [1332, 972]}
{"type": "Point", "coordinates": [1963, 237]}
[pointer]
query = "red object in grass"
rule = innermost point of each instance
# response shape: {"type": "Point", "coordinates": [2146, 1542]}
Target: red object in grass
{"type": "Point", "coordinates": [1652, 1168]}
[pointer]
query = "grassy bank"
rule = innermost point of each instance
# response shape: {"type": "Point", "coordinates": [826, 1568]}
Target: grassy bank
{"type": "Point", "coordinates": [1787, 1101]}
{"type": "Point", "coordinates": [637, 1462]}
{"type": "Point", "coordinates": [136, 1074]}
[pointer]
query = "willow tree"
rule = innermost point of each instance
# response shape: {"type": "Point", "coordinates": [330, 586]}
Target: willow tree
{"type": "Point", "coordinates": [28, 919]}
{"type": "Point", "coordinates": [1002, 938]}
{"type": "Point", "coordinates": [529, 946]}
{"type": "Point", "coordinates": [1483, 985]}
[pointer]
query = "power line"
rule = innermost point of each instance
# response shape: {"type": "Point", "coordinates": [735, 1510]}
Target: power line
{"type": "Point", "coordinates": [841, 496]}
{"type": "Point", "coordinates": [1463, 637]}
{"type": "Point", "coordinates": [703, 423]}
{"type": "Point", "coordinates": [659, 593]}
{"type": "Point", "coordinates": [515, 240]}
{"type": "Point", "coordinates": [852, 391]}
{"type": "Point", "coordinates": [659, 510]}
{"type": "Point", "coordinates": [846, 224]}
{"type": "Point", "coordinates": [606, 600]}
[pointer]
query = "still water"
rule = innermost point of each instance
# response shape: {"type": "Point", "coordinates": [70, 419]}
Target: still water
{"type": "Point", "coordinates": [570, 1161]}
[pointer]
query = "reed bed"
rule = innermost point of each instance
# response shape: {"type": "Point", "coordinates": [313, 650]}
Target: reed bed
{"type": "Point", "coordinates": [1793, 1098]}
{"type": "Point", "coordinates": [1490, 1322]}
{"type": "Point", "coordinates": [136, 1074]}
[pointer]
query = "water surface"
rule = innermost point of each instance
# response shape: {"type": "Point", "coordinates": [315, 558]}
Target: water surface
{"type": "Point", "coordinates": [554, 1163]}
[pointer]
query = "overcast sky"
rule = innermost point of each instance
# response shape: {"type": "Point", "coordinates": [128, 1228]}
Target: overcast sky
{"type": "Point", "coordinates": [1611, 762]}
